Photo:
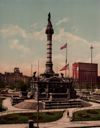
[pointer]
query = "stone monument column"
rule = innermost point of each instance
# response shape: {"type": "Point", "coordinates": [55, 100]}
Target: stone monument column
{"type": "Point", "coordinates": [49, 31]}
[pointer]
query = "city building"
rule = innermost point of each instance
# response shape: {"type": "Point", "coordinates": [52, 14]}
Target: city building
{"type": "Point", "coordinates": [2, 79]}
{"type": "Point", "coordinates": [98, 82]}
{"type": "Point", "coordinates": [12, 78]}
{"type": "Point", "coordinates": [85, 75]}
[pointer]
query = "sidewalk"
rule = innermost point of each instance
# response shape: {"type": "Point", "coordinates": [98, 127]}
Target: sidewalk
{"type": "Point", "coordinates": [7, 104]}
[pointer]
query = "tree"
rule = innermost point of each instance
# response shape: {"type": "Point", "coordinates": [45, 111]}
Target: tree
{"type": "Point", "coordinates": [2, 84]}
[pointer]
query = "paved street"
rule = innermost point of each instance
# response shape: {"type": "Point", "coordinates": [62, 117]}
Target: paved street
{"type": "Point", "coordinates": [56, 124]}
{"type": "Point", "coordinates": [64, 122]}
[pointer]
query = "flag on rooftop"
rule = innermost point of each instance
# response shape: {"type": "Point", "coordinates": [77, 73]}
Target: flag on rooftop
{"type": "Point", "coordinates": [64, 46]}
{"type": "Point", "coordinates": [65, 67]}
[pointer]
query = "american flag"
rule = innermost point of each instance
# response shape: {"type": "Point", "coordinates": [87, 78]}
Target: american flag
{"type": "Point", "coordinates": [65, 67]}
{"type": "Point", "coordinates": [64, 46]}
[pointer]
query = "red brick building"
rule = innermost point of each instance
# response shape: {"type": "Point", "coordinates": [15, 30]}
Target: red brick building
{"type": "Point", "coordinates": [85, 74]}
{"type": "Point", "coordinates": [98, 82]}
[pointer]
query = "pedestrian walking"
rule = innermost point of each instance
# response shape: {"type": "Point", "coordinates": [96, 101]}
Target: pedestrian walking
{"type": "Point", "coordinates": [67, 113]}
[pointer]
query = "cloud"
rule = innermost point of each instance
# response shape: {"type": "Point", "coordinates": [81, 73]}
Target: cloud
{"type": "Point", "coordinates": [64, 20]}
{"type": "Point", "coordinates": [17, 46]}
{"type": "Point", "coordinates": [78, 47]}
{"type": "Point", "coordinates": [39, 35]}
{"type": "Point", "coordinates": [96, 58]}
{"type": "Point", "coordinates": [74, 28]}
{"type": "Point", "coordinates": [12, 30]}
{"type": "Point", "coordinates": [15, 30]}
{"type": "Point", "coordinates": [64, 36]}
{"type": "Point", "coordinates": [33, 26]}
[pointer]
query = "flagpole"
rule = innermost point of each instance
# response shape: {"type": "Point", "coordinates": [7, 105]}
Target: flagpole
{"type": "Point", "coordinates": [66, 62]}
{"type": "Point", "coordinates": [65, 67]}
{"type": "Point", "coordinates": [68, 70]}
{"type": "Point", "coordinates": [31, 69]}
{"type": "Point", "coordinates": [38, 68]}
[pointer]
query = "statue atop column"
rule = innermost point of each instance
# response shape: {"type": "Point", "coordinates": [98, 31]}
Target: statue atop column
{"type": "Point", "coordinates": [49, 17]}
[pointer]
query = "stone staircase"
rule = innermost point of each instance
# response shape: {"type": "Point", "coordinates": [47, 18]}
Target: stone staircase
{"type": "Point", "coordinates": [62, 104]}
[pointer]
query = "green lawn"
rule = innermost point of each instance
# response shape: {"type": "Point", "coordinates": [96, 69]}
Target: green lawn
{"type": "Point", "coordinates": [86, 115]}
{"type": "Point", "coordinates": [24, 117]}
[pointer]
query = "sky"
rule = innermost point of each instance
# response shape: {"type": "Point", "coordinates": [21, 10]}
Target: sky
{"type": "Point", "coordinates": [23, 39]}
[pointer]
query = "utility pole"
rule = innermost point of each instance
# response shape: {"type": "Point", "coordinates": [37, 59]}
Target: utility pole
{"type": "Point", "coordinates": [91, 48]}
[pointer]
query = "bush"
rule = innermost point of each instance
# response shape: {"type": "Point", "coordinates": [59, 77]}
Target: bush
{"type": "Point", "coordinates": [86, 115]}
{"type": "Point", "coordinates": [23, 119]}
{"type": "Point", "coordinates": [92, 111]}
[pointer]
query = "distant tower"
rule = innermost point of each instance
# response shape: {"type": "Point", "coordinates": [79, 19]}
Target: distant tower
{"type": "Point", "coordinates": [49, 31]}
